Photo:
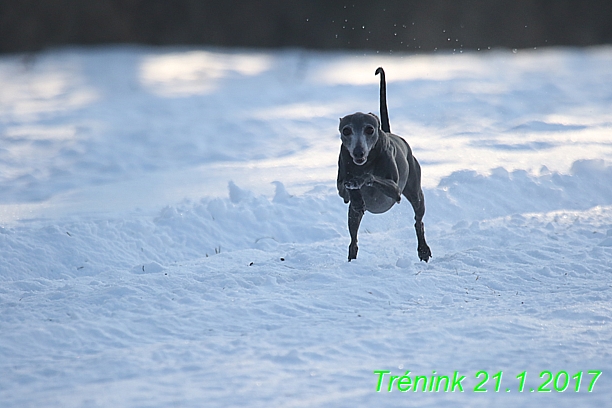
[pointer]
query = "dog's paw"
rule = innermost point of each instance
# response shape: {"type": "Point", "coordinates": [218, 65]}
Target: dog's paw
{"type": "Point", "coordinates": [357, 182]}
{"type": "Point", "coordinates": [353, 184]}
{"type": "Point", "coordinates": [352, 252]}
{"type": "Point", "coordinates": [424, 253]}
{"type": "Point", "coordinates": [344, 194]}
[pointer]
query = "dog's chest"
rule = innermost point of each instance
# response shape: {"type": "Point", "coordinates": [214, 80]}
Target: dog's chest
{"type": "Point", "coordinates": [375, 201]}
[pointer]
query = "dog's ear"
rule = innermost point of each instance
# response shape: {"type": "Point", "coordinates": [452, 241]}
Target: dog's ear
{"type": "Point", "coordinates": [377, 119]}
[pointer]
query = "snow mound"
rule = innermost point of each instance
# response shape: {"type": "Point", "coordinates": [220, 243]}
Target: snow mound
{"type": "Point", "coordinates": [171, 234]}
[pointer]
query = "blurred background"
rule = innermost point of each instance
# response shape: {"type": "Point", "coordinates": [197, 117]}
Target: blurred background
{"type": "Point", "coordinates": [384, 26]}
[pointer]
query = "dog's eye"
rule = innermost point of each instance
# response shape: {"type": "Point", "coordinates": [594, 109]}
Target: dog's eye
{"type": "Point", "coordinates": [369, 130]}
{"type": "Point", "coordinates": [347, 131]}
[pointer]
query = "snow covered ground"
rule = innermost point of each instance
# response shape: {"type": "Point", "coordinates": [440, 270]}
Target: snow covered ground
{"type": "Point", "coordinates": [170, 234]}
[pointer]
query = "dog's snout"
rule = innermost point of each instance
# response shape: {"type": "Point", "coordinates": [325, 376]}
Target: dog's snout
{"type": "Point", "coordinates": [359, 152]}
{"type": "Point", "coordinates": [359, 155]}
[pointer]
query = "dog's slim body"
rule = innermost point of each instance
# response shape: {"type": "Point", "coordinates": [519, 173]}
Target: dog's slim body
{"type": "Point", "coordinates": [375, 168]}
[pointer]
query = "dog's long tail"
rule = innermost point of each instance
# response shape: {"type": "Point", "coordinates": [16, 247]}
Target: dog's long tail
{"type": "Point", "coordinates": [384, 113]}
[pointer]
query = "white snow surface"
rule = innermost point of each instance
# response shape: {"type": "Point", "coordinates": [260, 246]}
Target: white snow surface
{"type": "Point", "coordinates": [170, 232]}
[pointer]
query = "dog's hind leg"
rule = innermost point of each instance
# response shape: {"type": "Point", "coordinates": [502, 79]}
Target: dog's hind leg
{"type": "Point", "coordinates": [414, 194]}
{"type": "Point", "coordinates": [355, 214]}
{"type": "Point", "coordinates": [418, 204]}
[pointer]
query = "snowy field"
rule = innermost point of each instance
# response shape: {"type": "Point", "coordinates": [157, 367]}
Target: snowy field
{"type": "Point", "coordinates": [170, 233]}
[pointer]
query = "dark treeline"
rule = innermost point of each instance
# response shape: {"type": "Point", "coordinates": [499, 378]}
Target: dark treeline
{"type": "Point", "coordinates": [409, 25]}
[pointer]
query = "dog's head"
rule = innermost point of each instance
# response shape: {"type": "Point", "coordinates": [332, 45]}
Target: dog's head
{"type": "Point", "coordinates": [359, 133]}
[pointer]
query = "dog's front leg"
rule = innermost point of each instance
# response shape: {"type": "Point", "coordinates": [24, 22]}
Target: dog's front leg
{"type": "Point", "coordinates": [386, 186]}
{"type": "Point", "coordinates": [355, 214]}
{"type": "Point", "coordinates": [342, 191]}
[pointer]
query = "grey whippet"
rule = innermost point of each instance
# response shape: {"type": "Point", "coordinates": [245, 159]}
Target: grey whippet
{"type": "Point", "coordinates": [375, 167]}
